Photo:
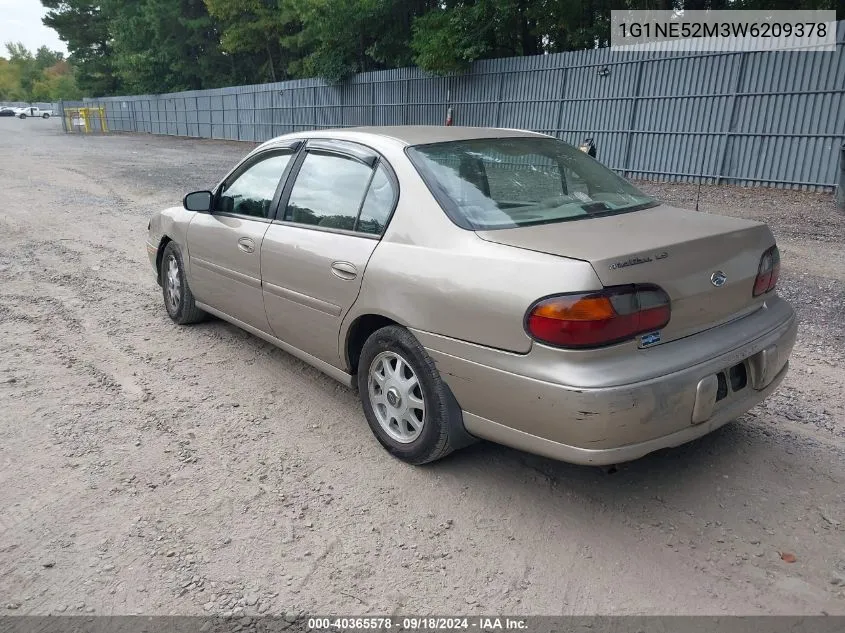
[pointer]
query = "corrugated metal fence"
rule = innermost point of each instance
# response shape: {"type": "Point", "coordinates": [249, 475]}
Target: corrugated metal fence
{"type": "Point", "coordinates": [753, 118]}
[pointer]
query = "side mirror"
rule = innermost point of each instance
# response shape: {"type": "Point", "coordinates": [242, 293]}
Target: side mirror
{"type": "Point", "coordinates": [198, 201]}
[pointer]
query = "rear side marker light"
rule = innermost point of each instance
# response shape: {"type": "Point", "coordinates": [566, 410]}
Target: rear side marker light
{"type": "Point", "coordinates": [768, 272]}
{"type": "Point", "coordinates": [596, 319]}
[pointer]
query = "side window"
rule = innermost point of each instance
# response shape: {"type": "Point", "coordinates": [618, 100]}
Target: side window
{"type": "Point", "coordinates": [378, 204]}
{"type": "Point", "coordinates": [328, 191]}
{"type": "Point", "coordinates": [252, 192]}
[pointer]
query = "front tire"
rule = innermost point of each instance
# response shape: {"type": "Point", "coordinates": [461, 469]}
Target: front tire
{"type": "Point", "coordinates": [178, 298]}
{"type": "Point", "coordinates": [409, 408]}
{"type": "Point", "coordinates": [23, 116]}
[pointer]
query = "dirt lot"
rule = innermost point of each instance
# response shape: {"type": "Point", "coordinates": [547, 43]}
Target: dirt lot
{"type": "Point", "coordinates": [149, 468]}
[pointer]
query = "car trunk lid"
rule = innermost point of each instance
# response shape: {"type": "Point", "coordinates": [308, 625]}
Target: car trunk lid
{"type": "Point", "coordinates": [684, 252]}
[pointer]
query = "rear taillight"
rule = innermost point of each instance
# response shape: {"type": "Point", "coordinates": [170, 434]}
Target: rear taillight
{"type": "Point", "coordinates": [768, 272]}
{"type": "Point", "coordinates": [598, 318]}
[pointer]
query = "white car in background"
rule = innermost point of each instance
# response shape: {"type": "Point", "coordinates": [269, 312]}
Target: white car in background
{"type": "Point", "coordinates": [32, 111]}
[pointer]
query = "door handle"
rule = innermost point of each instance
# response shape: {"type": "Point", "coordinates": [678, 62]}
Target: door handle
{"type": "Point", "coordinates": [344, 270]}
{"type": "Point", "coordinates": [246, 244]}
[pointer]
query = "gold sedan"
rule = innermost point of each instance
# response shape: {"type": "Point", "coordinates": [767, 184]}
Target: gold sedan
{"type": "Point", "coordinates": [485, 283]}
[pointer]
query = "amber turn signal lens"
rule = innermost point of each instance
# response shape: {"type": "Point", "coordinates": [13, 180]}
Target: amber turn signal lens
{"type": "Point", "coordinates": [576, 308]}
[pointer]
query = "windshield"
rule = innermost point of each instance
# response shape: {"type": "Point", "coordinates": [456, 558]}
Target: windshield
{"type": "Point", "coordinates": [495, 183]}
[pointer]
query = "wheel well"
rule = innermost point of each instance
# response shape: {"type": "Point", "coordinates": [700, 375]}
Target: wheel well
{"type": "Point", "coordinates": [359, 332]}
{"type": "Point", "coordinates": [160, 255]}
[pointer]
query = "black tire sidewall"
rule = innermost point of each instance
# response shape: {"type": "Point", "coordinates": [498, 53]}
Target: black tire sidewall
{"type": "Point", "coordinates": [398, 340]}
{"type": "Point", "coordinates": [173, 249]}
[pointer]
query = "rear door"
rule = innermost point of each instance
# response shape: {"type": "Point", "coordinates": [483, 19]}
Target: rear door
{"type": "Point", "coordinates": [313, 256]}
{"type": "Point", "coordinates": [224, 246]}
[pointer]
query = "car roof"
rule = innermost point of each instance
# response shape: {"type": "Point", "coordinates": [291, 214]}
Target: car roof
{"type": "Point", "coordinates": [413, 134]}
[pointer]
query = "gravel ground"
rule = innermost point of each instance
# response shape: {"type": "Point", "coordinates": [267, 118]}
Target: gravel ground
{"type": "Point", "coordinates": [149, 468]}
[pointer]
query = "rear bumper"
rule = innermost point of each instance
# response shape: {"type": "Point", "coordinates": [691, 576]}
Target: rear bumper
{"type": "Point", "coordinates": [501, 434]}
{"type": "Point", "coordinates": [619, 422]}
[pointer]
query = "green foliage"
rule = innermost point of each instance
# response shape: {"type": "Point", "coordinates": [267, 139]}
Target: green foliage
{"type": "Point", "coordinates": [155, 46]}
{"type": "Point", "coordinates": [448, 39]}
{"type": "Point", "coordinates": [45, 58]}
{"type": "Point", "coordinates": [350, 36]}
{"type": "Point", "coordinates": [165, 45]}
{"type": "Point", "coordinates": [266, 30]}
{"type": "Point", "coordinates": [84, 27]}
{"type": "Point", "coordinates": [10, 81]}
{"type": "Point", "coordinates": [44, 76]}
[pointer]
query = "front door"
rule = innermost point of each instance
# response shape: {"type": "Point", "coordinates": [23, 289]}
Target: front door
{"type": "Point", "coordinates": [224, 246]}
{"type": "Point", "coordinates": [313, 259]}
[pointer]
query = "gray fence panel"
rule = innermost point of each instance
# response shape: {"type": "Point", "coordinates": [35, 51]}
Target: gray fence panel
{"type": "Point", "coordinates": [180, 108]}
{"type": "Point", "coordinates": [192, 116]}
{"type": "Point", "coordinates": [203, 107]}
{"type": "Point", "coordinates": [230, 116]}
{"type": "Point", "coordinates": [245, 116]}
{"type": "Point", "coordinates": [263, 117]}
{"type": "Point", "coordinates": [773, 119]}
{"type": "Point", "coordinates": [216, 112]}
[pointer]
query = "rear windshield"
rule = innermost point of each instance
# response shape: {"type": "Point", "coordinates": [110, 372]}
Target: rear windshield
{"type": "Point", "coordinates": [508, 182]}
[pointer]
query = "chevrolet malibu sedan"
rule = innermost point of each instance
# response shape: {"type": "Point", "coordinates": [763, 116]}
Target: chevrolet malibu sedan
{"type": "Point", "coordinates": [485, 283]}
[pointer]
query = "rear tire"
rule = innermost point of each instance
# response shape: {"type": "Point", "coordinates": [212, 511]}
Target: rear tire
{"type": "Point", "coordinates": [45, 116]}
{"type": "Point", "coordinates": [178, 298]}
{"type": "Point", "coordinates": [409, 408]}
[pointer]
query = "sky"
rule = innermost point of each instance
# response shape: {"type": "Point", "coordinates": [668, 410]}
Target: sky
{"type": "Point", "coordinates": [20, 21]}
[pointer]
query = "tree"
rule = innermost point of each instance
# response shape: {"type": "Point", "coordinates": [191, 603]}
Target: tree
{"type": "Point", "coordinates": [25, 77]}
{"type": "Point", "coordinates": [84, 27]}
{"type": "Point", "coordinates": [56, 82]}
{"type": "Point", "coordinates": [350, 36]}
{"type": "Point", "coordinates": [168, 45]}
{"type": "Point", "coordinates": [265, 29]}
{"type": "Point", "coordinates": [45, 58]}
{"type": "Point", "coordinates": [27, 69]}
{"type": "Point", "coordinates": [10, 81]}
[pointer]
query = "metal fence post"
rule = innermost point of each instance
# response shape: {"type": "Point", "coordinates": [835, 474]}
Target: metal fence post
{"type": "Point", "coordinates": [840, 187]}
{"type": "Point", "coordinates": [501, 92]}
{"type": "Point", "coordinates": [372, 102]}
{"type": "Point", "coordinates": [407, 97]}
{"type": "Point", "coordinates": [314, 105]}
{"type": "Point", "coordinates": [62, 114]}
